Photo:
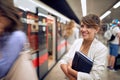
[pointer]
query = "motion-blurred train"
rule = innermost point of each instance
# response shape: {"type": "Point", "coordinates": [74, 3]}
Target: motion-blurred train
{"type": "Point", "coordinates": [44, 28]}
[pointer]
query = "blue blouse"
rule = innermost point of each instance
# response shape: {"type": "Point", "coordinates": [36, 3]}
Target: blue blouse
{"type": "Point", "coordinates": [10, 47]}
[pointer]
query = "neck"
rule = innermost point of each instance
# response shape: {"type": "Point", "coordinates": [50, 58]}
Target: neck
{"type": "Point", "coordinates": [87, 41]}
{"type": "Point", "coordinates": [85, 46]}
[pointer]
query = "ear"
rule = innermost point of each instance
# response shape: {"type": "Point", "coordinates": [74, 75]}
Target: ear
{"type": "Point", "coordinates": [97, 30]}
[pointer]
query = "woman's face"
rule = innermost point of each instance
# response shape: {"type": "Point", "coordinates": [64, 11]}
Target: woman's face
{"type": "Point", "coordinates": [88, 33]}
{"type": "Point", "coordinates": [4, 22]}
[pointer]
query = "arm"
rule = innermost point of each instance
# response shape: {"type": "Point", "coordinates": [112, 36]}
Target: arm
{"type": "Point", "coordinates": [64, 61]}
{"type": "Point", "coordinates": [64, 68]}
{"type": "Point", "coordinates": [119, 36]}
{"type": "Point", "coordinates": [70, 54]}
{"type": "Point", "coordinates": [11, 51]}
{"type": "Point", "coordinates": [14, 45]}
{"type": "Point", "coordinates": [116, 31]}
{"type": "Point", "coordinates": [71, 71]}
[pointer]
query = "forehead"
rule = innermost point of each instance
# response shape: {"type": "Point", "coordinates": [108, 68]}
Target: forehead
{"type": "Point", "coordinates": [82, 23]}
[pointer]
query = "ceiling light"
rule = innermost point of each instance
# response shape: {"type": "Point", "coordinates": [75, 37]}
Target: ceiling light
{"type": "Point", "coordinates": [84, 9]}
{"type": "Point", "coordinates": [41, 14]}
{"type": "Point", "coordinates": [22, 8]}
{"type": "Point", "coordinates": [116, 5]}
{"type": "Point", "coordinates": [104, 15]}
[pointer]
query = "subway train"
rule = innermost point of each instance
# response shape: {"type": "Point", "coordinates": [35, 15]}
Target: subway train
{"type": "Point", "coordinates": [44, 27]}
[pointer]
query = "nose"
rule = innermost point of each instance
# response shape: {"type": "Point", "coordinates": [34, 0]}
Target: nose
{"type": "Point", "coordinates": [83, 29]}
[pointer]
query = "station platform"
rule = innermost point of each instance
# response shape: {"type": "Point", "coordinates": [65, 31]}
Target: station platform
{"type": "Point", "coordinates": [57, 74]}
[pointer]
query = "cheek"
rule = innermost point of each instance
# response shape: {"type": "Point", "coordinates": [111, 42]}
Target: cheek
{"type": "Point", "coordinates": [8, 23]}
{"type": "Point", "coordinates": [1, 31]}
{"type": "Point", "coordinates": [4, 22]}
{"type": "Point", "coordinates": [1, 27]}
{"type": "Point", "coordinates": [93, 33]}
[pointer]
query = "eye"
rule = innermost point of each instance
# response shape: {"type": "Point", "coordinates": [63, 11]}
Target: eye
{"type": "Point", "coordinates": [82, 26]}
{"type": "Point", "coordinates": [88, 26]}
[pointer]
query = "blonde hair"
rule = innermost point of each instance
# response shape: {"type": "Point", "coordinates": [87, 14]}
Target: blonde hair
{"type": "Point", "coordinates": [69, 28]}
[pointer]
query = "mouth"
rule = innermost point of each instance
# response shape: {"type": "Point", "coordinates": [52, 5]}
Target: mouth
{"type": "Point", "coordinates": [84, 34]}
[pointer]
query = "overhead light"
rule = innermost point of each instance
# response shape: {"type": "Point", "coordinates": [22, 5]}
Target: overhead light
{"type": "Point", "coordinates": [116, 5]}
{"type": "Point", "coordinates": [104, 15]}
{"type": "Point", "coordinates": [84, 8]}
{"type": "Point", "coordinates": [27, 9]}
{"type": "Point", "coordinates": [41, 14]}
{"type": "Point", "coordinates": [24, 9]}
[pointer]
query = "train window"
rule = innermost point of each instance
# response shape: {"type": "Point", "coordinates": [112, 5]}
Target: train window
{"type": "Point", "coordinates": [42, 37]}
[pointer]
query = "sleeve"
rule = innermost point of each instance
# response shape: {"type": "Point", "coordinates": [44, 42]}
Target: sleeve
{"type": "Point", "coordinates": [98, 69]}
{"type": "Point", "coordinates": [11, 51]}
{"type": "Point", "coordinates": [115, 30]}
{"type": "Point", "coordinates": [24, 41]}
{"type": "Point", "coordinates": [70, 54]}
{"type": "Point", "coordinates": [17, 42]}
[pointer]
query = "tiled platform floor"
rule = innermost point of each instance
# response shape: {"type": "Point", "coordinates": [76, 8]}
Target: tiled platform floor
{"type": "Point", "coordinates": [57, 74]}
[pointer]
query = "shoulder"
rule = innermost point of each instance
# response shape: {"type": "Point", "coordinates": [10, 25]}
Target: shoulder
{"type": "Point", "coordinates": [18, 35]}
{"type": "Point", "coordinates": [100, 50]}
{"type": "Point", "coordinates": [99, 45]}
{"type": "Point", "coordinates": [78, 40]}
{"type": "Point", "coordinates": [116, 29]}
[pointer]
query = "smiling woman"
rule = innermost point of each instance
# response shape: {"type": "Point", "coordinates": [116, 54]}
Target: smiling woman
{"type": "Point", "coordinates": [90, 47]}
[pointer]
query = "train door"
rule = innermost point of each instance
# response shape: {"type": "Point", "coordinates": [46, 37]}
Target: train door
{"type": "Point", "coordinates": [51, 40]}
{"type": "Point", "coordinates": [43, 54]}
{"type": "Point", "coordinates": [61, 42]}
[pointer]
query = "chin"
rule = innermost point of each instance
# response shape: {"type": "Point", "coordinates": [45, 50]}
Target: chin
{"type": "Point", "coordinates": [85, 38]}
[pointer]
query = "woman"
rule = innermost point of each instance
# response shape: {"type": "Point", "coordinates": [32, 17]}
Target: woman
{"type": "Point", "coordinates": [91, 47]}
{"type": "Point", "coordinates": [11, 38]}
{"type": "Point", "coordinates": [71, 33]}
